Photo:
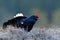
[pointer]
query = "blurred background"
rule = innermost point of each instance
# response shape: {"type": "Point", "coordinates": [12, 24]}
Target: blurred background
{"type": "Point", "coordinates": [48, 10]}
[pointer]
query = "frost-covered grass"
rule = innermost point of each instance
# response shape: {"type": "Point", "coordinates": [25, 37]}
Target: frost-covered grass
{"type": "Point", "coordinates": [36, 33]}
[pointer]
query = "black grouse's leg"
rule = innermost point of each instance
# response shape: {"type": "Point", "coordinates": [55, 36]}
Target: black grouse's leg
{"type": "Point", "coordinates": [16, 25]}
{"type": "Point", "coordinates": [29, 29]}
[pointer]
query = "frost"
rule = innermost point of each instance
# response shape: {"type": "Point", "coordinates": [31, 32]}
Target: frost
{"type": "Point", "coordinates": [35, 34]}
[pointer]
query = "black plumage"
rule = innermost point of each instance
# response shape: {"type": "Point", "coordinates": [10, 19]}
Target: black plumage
{"type": "Point", "coordinates": [22, 22]}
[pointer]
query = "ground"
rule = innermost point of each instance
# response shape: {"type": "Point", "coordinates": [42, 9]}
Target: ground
{"type": "Point", "coordinates": [36, 33]}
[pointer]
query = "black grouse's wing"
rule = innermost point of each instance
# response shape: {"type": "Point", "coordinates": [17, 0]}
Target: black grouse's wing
{"type": "Point", "coordinates": [13, 21]}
